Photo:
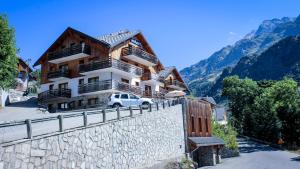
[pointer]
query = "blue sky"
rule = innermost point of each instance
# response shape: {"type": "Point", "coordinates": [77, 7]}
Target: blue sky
{"type": "Point", "coordinates": [180, 32]}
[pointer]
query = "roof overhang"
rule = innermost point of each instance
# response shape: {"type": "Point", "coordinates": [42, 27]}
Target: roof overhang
{"type": "Point", "coordinates": [206, 141]}
{"type": "Point", "coordinates": [68, 31]}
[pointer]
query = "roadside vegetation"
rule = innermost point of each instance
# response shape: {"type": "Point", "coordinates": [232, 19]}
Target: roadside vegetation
{"type": "Point", "coordinates": [8, 57]}
{"type": "Point", "coordinates": [226, 133]}
{"type": "Point", "coordinates": [267, 110]}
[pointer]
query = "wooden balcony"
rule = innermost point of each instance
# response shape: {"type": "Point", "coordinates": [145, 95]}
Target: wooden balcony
{"type": "Point", "coordinates": [111, 65]}
{"type": "Point", "coordinates": [71, 53]}
{"type": "Point", "coordinates": [58, 75]}
{"type": "Point", "coordinates": [139, 55]}
{"type": "Point", "coordinates": [151, 77]}
{"type": "Point", "coordinates": [174, 84]}
{"type": "Point", "coordinates": [54, 94]}
{"type": "Point", "coordinates": [108, 85]}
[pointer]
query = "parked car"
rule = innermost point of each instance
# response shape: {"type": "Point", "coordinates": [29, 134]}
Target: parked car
{"type": "Point", "coordinates": [126, 100]}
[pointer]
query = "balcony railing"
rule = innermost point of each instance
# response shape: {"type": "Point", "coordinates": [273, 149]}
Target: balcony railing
{"type": "Point", "coordinates": [175, 83]}
{"type": "Point", "coordinates": [107, 85]}
{"type": "Point", "coordinates": [58, 74]}
{"type": "Point", "coordinates": [54, 93]}
{"type": "Point", "coordinates": [73, 50]}
{"type": "Point", "coordinates": [111, 63]}
{"type": "Point", "coordinates": [140, 53]}
{"type": "Point", "coordinates": [152, 76]}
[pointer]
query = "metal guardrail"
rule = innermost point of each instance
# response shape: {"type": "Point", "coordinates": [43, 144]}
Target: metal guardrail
{"type": "Point", "coordinates": [140, 53]}
{"type": "Point", "coordinates": [58, 73]}
{"type": "Point", "coordinates": [73, 50]}
{"type": "Point", "coordinates": [54, 93]}
{"type": "Point", "coordinates": [85, 123]}
{"type": "Point", "coordinates": [110, 63]}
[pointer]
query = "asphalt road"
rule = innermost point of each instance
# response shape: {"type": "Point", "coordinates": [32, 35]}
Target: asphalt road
{"type": "Point", "coordinates": [258, 156]}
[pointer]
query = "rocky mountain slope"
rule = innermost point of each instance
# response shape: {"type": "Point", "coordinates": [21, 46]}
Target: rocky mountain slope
{"type": "Point", "coordinates": [280, 60]}
{"type": "Point", "coordinates": [204, 74]}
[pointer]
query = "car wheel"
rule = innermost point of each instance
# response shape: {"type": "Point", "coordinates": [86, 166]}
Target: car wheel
{"type": "Point", "coordinates": [116, 105]}
{"type": "Point", "coordinates": [145, 105]}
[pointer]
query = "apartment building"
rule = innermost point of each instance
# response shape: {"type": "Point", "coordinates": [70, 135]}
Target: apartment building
{"type": "Point", "coordinates": [81, 71]}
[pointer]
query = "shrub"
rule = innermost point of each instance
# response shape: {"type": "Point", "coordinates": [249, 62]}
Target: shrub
{"type": "Point", "coordinates": [227, 133]}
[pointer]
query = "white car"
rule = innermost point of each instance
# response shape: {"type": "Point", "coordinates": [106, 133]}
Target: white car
{"type": "Point", "coordinates": [126, 100]}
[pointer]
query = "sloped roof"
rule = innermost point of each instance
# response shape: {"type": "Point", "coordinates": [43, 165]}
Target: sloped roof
{"type": "Point", "coordinates": [118, 37]}
{"type": "Point", "coordinates": [21, 61]}
{"type": "Point", "coordinates": [206, 141]}
{"type": "Point", "coordinates": [208, 99]}
{"type": "Point", "coordinates": [165, 73]}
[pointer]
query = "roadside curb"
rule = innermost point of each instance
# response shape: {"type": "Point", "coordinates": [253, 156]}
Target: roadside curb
{"type": "Point", "coordinates": [263, 142]}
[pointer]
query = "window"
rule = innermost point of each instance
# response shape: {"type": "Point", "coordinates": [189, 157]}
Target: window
{"type": "Point", "coordinates": [64, 67]}
{"type": "Point", "coordinates": [133, 96]}
{"type": "Point", "coordinates": [125, 80]}
{"type": "Point", "coordinates": [200, 125]}
{"type": "Point", "coordinates": [51, 87]}
{"type": "Point", "coordinates": [124, 96]}
{"type": "Point", "coordinates": [193, 124]}
{"type": "Point", "coordinates": [62, 106]}
{"type": "Point", "coordinates": [80, 82]}
{"type": "Point", "coordinates": [206, 124]}
{"type": "Point", "coordinates": [93, 80]}
{"type": "Point", "coordinates": [81, 62]}
{"type": "Point", "coordinates": [80, 103]}
{"type": "Point", "coordinates": [72, 44]}
{"type": "Point", "coordinates": [93, 101]}
{"type": "Point", "coordinates": [63, 86]}
{"type": "Point", "coordinates": [117, 96]}
{"type": "Point", "coordinates": [137, 83]}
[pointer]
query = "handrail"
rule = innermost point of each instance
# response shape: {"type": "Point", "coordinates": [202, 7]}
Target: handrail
{"type": "Point", "coordinates": [108, 84]}
{"type": "Point", "coordinates": [152, 76]}
{"type": "Point", "coordinates": [118, 64]}
{"type": "Point", "coordinates": [58, 73]}
{"type": "Point", "coordinates": [28, 122]}
{"type": "Point", "coordinates": [54, 93]}
{"type": "Point", "coordinates": [75, 49]}
{"type": "Point", "coordinates": [175, 83]}
{"type": "Point", "coordinates": [140, 53]}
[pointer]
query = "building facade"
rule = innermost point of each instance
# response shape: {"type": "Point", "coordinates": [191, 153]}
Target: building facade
{"type": "Point", "coordinates": [80, 71]}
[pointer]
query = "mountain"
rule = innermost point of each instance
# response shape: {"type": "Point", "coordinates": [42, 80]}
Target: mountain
{"type": "Point", "coordinates": [204, 74]}
{"type": "Point", "coordinates": [280, 60]}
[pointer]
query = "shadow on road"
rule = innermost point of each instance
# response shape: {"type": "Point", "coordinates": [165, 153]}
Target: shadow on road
{"type": "Point", "coordinates": [30, 103]}
{"type": "Point", "coordinates": [296, 159]}
{"type": "Point", "coordinates": [250, 147]}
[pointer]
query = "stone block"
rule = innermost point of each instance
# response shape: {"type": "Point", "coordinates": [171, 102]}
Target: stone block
{"type": "Point", "coordinates": [37, 153]}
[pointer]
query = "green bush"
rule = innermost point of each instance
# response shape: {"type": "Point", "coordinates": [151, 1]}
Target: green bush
{"type": "Point", "coordinates": [226, 133]}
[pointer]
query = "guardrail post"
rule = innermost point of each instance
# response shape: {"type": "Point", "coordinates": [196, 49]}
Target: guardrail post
{"type": "Point", "coordinates": [150, 107]}
{"type": "Point", "coordinates": [131, 112]}
{"type": "Point", "coordinates": [163, 104]}
{"type": "Point", "coordinates": [169, 103]}
{"type": "Point", "coordinates": [141, 109]}
{"type": "Point", "coordinates": [103, 115]}
{"type": "Point", "coordinates": [60, 122]}
{"type": "Point", "coordinates": [84, 119]}
{"type": "Point", "coordinates": [29, 128]}
{"type": "Point", "coordinates": [157, 107]}
{"type": "Point", "coordinates": [118, 113]}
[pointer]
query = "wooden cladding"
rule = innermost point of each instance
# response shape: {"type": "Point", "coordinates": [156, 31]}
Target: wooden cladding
{"type": "Point", "coordinates": [198, 119]}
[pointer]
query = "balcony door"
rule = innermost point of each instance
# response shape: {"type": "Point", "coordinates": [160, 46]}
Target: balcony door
{"type": "Point", "coordinates": [64, 68]}
{"type": "Point", "coordinates": [62, 86]}
{"type": "Point", "coordinates": [148, 90]}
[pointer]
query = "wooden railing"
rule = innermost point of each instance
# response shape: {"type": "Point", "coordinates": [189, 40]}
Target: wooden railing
{"type": "Point", "coordinates": [102, 64]}
{"type": "Point", "coordinates": [140, 53]}
{"type": "Point", "coordinates": [54, 93]}
{"type": "Point", "coordinates": [109, 84]}
{"type": "Point", "coordinates": [175, 83]}
{"type": "Point", "coordinates": [58, 73]}
{"type": "Point", "coordinates": [73, 50]}
{"type": "Point", "coordinates": [152, 76]}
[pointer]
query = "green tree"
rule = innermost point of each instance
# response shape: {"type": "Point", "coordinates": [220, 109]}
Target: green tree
{"type": "Point", "coordinates": [8, 57]}
{"type": "Point", "coordinates": [241, 93]}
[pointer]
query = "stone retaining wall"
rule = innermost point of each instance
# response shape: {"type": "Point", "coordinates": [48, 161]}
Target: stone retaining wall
{"type": "Point", "coordinates": [129, 143]}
